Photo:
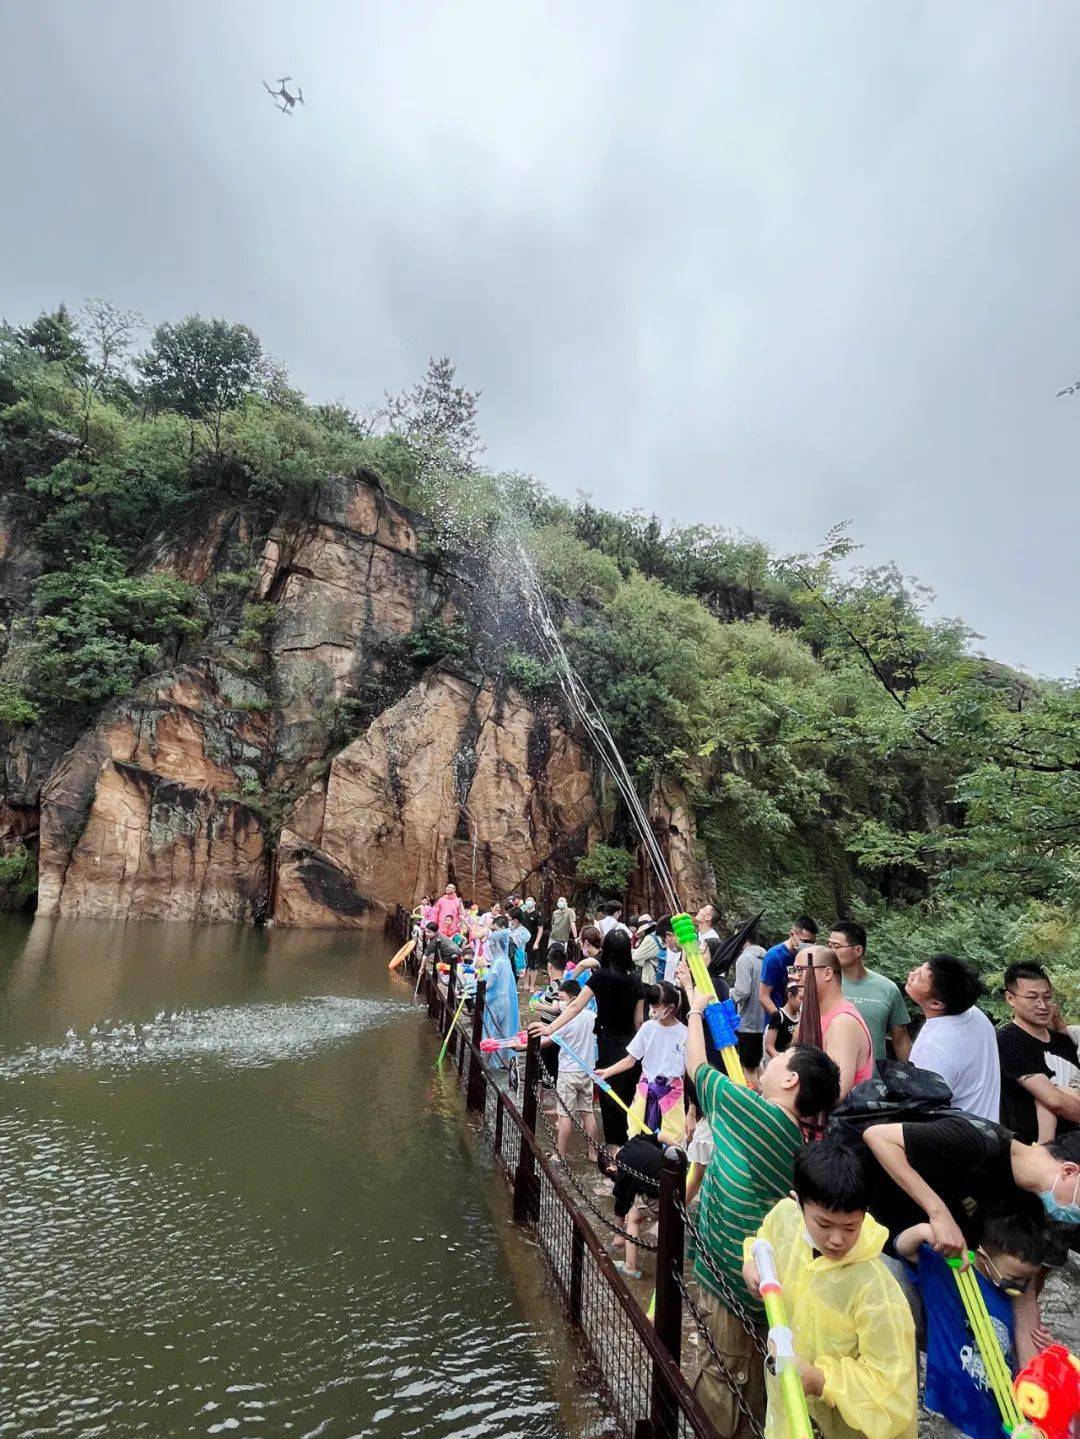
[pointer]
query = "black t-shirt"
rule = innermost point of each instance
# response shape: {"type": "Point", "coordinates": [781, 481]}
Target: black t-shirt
{"type": "Point", "coordinates": [966, 1161]}
{"type": "Point", "coordinates": [1022, 1055]}
{"type": "Point", "coordinates": [617, 995]}
{"type": "Point", "coordinates": [784, 1025]}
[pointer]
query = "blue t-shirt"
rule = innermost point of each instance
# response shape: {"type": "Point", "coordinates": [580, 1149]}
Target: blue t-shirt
{"type": "Point", "coordinates": [956, 1385]}
{"type": "Point", "coordinates": [774, 972]}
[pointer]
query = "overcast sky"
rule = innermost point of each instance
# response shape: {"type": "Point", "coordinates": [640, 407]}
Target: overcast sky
{"type": "Point", "coordinates": [765, 265]}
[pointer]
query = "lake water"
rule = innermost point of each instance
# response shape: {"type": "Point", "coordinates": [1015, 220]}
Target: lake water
{"type": "Point", "coordinates": [235, 1198]}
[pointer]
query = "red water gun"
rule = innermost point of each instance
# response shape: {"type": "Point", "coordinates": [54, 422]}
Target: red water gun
{"type": "Point", "coordinates": [1048, 1392]}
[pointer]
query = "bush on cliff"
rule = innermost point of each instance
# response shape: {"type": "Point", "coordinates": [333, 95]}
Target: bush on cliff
{"type": "Point", "coordinates": [841, 750]}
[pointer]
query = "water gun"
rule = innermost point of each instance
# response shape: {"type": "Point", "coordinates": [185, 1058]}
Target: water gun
{"type": "Point", "coordinates": [720, 1018]}
{"type": "Point", "coordinates": [783, 1342]}
{"type": "Point", "coordinates": [639, 1126]}
{"type": "Point", "coordinates": [490, 1045]}
{"type": "Point", "coordinates": [996, 1369]}
{"type": "Point", "coordinates": [1047, 1393]}
{"type": "Point", "coordinates": [449, 1032]}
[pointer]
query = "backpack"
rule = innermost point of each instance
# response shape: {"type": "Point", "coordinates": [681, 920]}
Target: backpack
{"type": "Point", "coordinates": [901, 1093]}
{"type": "Point", "coordinates": [897, 1094]}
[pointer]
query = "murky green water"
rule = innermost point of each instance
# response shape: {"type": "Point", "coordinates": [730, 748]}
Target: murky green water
{"type": "Point", "coordinates": [234, 1199]}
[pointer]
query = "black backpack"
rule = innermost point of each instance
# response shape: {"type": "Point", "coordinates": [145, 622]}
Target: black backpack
{"type": "Point", "coordinates": [900, 1093]}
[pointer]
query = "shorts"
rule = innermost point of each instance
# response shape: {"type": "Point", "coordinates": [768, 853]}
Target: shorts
{"type": "Point", "coordinates": [700, 1148]}
{"type": "Point", "coordinates": [575, 1090]}
{"type": "Point", "coordinates": [742, 1361]}
{"type": "Point", "coordinates": [750, 1049]}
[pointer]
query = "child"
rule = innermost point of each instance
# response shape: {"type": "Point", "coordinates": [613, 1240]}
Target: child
{"type": "Point", "coordinates": [574, 1087]}
{"type": "Point", "coordinates": [853, 1333]}
{"type": "Point", "coordinates": [782, 1023]}
{"type": "Point", "coordinates": [660, 1047]}
{"type": "Point", "coordinates": [547, 1001]}
{"type": "Point", "coordinates": [636, 1202]}
{"type": "Point", "coordinates": [1006, 1264]}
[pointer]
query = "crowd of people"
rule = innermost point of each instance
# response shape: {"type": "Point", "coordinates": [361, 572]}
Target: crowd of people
{"type": "Point", "coordinates": [866, 1156]}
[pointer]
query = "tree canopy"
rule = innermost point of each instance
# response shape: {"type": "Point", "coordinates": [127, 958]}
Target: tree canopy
{"type": "Point", "coordinates": [844, 750]}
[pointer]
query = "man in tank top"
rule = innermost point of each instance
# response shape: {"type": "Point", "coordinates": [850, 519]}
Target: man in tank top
{"type": "Point", "coordinates": [845, 1037]}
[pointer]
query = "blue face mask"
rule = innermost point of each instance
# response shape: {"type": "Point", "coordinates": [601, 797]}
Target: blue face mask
{"type": "Point", "coordinates": [1064, 1213]}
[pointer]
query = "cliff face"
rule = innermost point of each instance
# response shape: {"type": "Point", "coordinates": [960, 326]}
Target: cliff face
{"type": "Point", "coordinates": [224, 788]}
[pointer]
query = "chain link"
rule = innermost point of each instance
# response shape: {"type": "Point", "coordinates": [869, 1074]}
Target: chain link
{"type": "Point", "coordinates": [730, 1298]}
{"type": "Point", "coordinates": [569, 1174]}
{"type": "Point", "coordinates": [647, 1181]}
{"type": "Point", "coordinates": [714, 1353]}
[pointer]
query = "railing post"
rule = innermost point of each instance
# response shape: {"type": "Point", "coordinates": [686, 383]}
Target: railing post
{"type": "Point", "coordinates": [670, 1244]}
{"type": "Point", "coordinates": [431, 981]}
{"type": "Point", "coordinates": [451, 1005]}
{"type": "Point", "coordinates": [577, 1271]}
{"type": "Point", "coordinates": [525, 1176]}
{"type": "Point", "coordinates": [474, 1095]}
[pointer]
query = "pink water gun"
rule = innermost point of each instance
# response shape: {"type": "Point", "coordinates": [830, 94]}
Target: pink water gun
{"type": "Point", "coordinates": [490, 1045]}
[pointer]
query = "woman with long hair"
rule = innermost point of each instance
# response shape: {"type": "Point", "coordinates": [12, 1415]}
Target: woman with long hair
{"type": "Point", "coordinates": [617, 990]}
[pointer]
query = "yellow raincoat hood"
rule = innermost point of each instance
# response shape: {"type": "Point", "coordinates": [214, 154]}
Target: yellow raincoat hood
{"type": "Point", "coordinates": [850, 1319]}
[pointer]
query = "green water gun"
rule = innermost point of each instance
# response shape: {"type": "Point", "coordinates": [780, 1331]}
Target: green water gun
{"type": "Point", "coordinates": [782, 1340]}
{"type": "Point", "coordinates": [720, 1016]}
{"type": "Point", "coordinates": [997, 1370]}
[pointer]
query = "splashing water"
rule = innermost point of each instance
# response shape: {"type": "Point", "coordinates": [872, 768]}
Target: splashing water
{"type": "Point", "coordinates": [516, 572]}
{"type": "Point", "coordinates": [236, 1036]}
{"type": "Point", "coordinates": [585, 708]}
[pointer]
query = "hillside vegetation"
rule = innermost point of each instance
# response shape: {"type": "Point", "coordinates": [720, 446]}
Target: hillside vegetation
{"type": "Point", "coordinates": [843, 751]}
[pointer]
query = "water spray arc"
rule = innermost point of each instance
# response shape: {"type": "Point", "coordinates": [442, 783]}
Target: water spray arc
{"type": "Point", "coordinates": [585, 709]}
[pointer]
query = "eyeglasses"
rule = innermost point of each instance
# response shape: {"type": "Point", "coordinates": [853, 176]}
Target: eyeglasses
{"type": "Point", "coordinates": [1011, 1287]}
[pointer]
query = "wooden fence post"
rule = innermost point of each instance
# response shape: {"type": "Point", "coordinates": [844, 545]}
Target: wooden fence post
{"type": "Point", "coordinates": [525, 1175]}
{"type": "Point", "coordinates": [670, 1245]}
{"type": "Point", "coordinates": [475, 1094]}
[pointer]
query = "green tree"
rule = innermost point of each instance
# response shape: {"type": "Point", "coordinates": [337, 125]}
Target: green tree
{"type": "Point", "coordinates": [96, 630]}
{"type": "Point", "coordinates": [202, 369]}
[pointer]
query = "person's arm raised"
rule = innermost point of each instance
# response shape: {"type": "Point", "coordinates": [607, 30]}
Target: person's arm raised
{"type": "Point", "coordinates": [907, 1241]}
{"type": "Point", "coordinates": [886, 1144]}
{"type": "Point", "coordinates": [696, 1055]}
{"type": "Point", "coordinates": [576, 1005]}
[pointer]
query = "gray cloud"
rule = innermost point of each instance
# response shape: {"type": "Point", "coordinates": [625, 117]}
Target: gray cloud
{"type": "Point", "coordinates": [768, 265]}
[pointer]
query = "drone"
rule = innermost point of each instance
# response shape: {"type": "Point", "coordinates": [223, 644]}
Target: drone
{"type": "Point", "coordinates": [287, 100]}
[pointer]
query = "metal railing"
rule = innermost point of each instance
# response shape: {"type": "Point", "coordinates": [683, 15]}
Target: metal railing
{"type": "Point", "coordinates": [632, 1364]}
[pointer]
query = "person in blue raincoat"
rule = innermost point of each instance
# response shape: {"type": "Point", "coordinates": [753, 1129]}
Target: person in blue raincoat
{"type": "Point", "coordinates": [502, 1018]}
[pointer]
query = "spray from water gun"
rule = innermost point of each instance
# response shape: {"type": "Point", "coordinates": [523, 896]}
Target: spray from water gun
{"type": "Point", "coordinates": [720, 1017]}
{"type": "Point", "coordinates": [783, 1342]}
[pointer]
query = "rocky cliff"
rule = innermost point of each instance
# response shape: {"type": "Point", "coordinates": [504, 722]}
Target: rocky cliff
{"type": "Point", "coordinates": [323, 766]}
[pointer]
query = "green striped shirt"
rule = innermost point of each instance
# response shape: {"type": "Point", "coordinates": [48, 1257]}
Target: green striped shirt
{"type": "Point", "coordinates": [751, 1168]}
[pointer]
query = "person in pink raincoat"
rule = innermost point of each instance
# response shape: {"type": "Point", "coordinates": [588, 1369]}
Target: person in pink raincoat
{"type": "Point", "coordinates": [449, 911]}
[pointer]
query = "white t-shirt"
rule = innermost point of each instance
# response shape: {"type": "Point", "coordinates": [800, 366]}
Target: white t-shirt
{"type": "Point", "coordinates": [661, 1048]}
{"type": "Point", "coordinates": [962, 1048]}
{"type": "Point", "coordinates": [609, 922]}
{"type": "Point", "coordinates": [578, 1033]}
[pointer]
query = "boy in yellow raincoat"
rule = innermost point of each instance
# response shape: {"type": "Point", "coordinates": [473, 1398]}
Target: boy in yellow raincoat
{"type": "Point", "coordinates": [852, 1327]}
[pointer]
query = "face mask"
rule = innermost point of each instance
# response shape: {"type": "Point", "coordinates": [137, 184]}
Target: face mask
{"type": "Point", "coordinates": [659, 1015]}
{"type": "Point", "coordinates": [1064, 1213]}
{"type": "Point", "coordinates": [561, 904]}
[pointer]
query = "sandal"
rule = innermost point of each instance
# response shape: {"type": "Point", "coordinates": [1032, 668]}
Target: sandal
{"type": "Point", "coordinates": [620, 1265]}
